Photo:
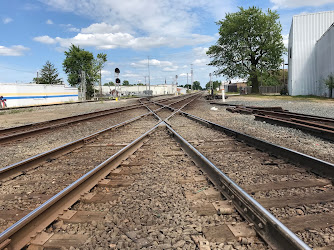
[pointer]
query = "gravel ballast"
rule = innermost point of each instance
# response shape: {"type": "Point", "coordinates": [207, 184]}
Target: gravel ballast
{"type": "Point", "coordinates": [283, 136]}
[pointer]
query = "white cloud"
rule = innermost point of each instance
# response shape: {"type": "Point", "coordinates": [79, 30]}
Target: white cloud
{"type": "Point", "coordinates": [153, 62]}
{"type": "Point", "coordinates": [49, 21]}
{"type": "Point", "coordinates": [201, 62]}
{"type": "Point", "coordinates": [286, 40]}
{"type": "Point", "coordinates": [201, 57]}
{"type": "Point", "coordinates": [100, 28]}
{"type": "Point", "coordinates": [15, 50]}
{"type": "Point", "coordinates": [45, 39]}
{"type": "Point", "coordinates": [69, 27]}
{"type": "Point", "coordinates": [170, 69]}
{"type": "Point", "coordinates": [73, 29]}
{"type": "Point", "coordinates": [7, 20]}
{"type": "Point", "coordinates": [123, 40]}
{"type": "Point", "coordinates": [105, 72]}
{"type": "Point", "coordinates": [281, 4]}
{"type": "Point", "coordinates": [167, 18]}
{"type": "Point", "coordinates": [131, 75]}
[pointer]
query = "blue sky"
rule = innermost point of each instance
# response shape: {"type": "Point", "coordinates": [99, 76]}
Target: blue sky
{"type": "Point", "coordinates": [173, 33]}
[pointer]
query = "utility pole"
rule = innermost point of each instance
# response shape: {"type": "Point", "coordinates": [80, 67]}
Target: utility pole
{"type": "Point", "coordinates": [100, 83]}
{"type": "Point", "coordinates": [192, 77]}
{"type": "Point", "coordinates": [187, 80]}
{"type": "Point", "coordinates": [211, 84]}
{"type": "Point", "coordinates": [83, 82]}
{"type": "Point", "coordinates": [149, 75]}
{"type": "Point", "coordinates": [145, 82]}
{"type": "Point", "coordinates": [37, 78]}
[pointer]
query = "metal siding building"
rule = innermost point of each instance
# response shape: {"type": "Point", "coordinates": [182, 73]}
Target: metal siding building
{"type": "Point", "coordinates": [325, 59]}
{"type": "Point", "coordinates": [305, 31]}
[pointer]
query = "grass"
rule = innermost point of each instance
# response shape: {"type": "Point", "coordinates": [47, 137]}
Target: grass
{"type": "Point", "coordinates": [15, 111]}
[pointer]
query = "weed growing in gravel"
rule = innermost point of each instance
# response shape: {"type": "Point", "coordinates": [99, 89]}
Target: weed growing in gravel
{"type": "Point", "coordinates": [15, 111]}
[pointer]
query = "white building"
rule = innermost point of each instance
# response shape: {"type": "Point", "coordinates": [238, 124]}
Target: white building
{"type": "Point", "coordinates": [160, 89]}
{"type": "Point", "coordinates": [325, 59]}
{"type": "Point", "coordinates": [308, 60]}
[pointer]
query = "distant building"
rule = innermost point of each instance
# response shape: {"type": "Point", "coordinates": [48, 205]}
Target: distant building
{"type": "Point", "coordinates": [310, 53]}
{"type": "Point", "coordinates": [159, 89]}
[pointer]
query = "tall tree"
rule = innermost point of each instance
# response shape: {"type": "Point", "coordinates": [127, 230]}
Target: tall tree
{"type": "Point", "coordinates": [329, 81]}
{"type": "Point", "coordinates": [197, 85]}
{"type": "Point", "coordinates": [78, 60]}
{"type": "Point", "coordinates": [215, 84]}
{"type": "Point", "coordinates": [250, 42]}
{"type": "Point", "coordinates": [109, 84]}
{"type": "Point", "coordinates": [126, 83]}
{"type": "Point", "coordinates": [98, 65]}
{"type": "Point", "coordinates": [49, 75]}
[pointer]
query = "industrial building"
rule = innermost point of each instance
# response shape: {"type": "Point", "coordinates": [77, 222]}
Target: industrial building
{"type": "Point", "coordinates": [310, 53]}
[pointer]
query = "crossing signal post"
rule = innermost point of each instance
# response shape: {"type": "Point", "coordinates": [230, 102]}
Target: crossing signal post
{"type": "Point", "coordinates": [117, 81]}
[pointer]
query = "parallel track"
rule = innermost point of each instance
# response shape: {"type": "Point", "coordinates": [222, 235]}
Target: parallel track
{"type": "Point", "coordinates": [322, 127]}
{"type": "Point", "coordinates": [254, 179]}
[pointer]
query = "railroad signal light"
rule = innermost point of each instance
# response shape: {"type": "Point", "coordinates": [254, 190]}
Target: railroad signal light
{"type": "Point", "coordinates": [118, 80]}
{"type": "Point", "coordinates": [117, 71]}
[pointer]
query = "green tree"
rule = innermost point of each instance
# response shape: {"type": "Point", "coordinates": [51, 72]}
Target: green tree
{"type": "Point", "coordinates": [109, 84]}
{"type": "Point", "coordinates": [126, 83]}
{"type": "Point", "coordinates": [250, 42]}
{"type": "Point", "coordinates": [197, 85]}
{"type": "Point", "coordinates": [49, 75]}
{"type": "Point", "coordinates": [329, 81]}
{"type": "Point", "coordinates": [98, 65]}
{"type": "Point", "coordinates": [78, 60]}
{"type": "Point", "coordinates": [215, 84]}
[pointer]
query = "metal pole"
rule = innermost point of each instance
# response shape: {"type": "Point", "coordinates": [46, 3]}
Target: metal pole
{"type": "Point", "coordinates": [211, 87]}
{"type": "Point", "coordinates": [100, 82]}
{"type": "Point", "coordinates": [145, 82]}
{"type": "Point", "coordinates": [192, 76]}
{"type": "Point", "coordinates": [84, 84]}
{"type": "Point", "coordinates": [149, 75]}
{"type": "Point", "coordinates": [223, 92]}
{"type": "Point", "coordinates": [37, 78]}
{"type": "Point", "coordinates": [283, 73]}
{"type": "Point", "coordinates": [81, 87]}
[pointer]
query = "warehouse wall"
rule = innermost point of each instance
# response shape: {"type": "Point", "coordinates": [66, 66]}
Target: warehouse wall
{"type": "Point", "coordinates": [36, 94]}
{"type": "Point", "coordinates": [306, 31]}
{"type": "Point", "coordinates": [325, 59]}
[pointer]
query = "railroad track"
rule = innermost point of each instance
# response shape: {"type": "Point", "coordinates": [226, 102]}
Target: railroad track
{"type": "Point", "coordinates": [322, 127]}
{"type": "Point", "coordinates": [167, 184]}
{"type": "Point", "coordinates": [28, 130]}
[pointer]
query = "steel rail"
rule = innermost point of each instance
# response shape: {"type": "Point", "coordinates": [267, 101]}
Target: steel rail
{"type": "Point", "coordinates": [157, 110]}
{"type": "Point", "coordinates": [289, 114]}
{"type": "Point", "coordinates": [319, 130]}
{"type": "Point", "coordinates": [266, 225]}
{"type": "Point", "coordinates": [317, 166]}
{"type": "Point", "coordinates": [20, 233]}
{"type": "Point", "coordinates": [65, 121]}
{"type": "Point", "coordinates": [22, 166]}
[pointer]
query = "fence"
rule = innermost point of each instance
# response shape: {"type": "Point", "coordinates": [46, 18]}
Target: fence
{"type": "Point", "coordinates": [271, 89]}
